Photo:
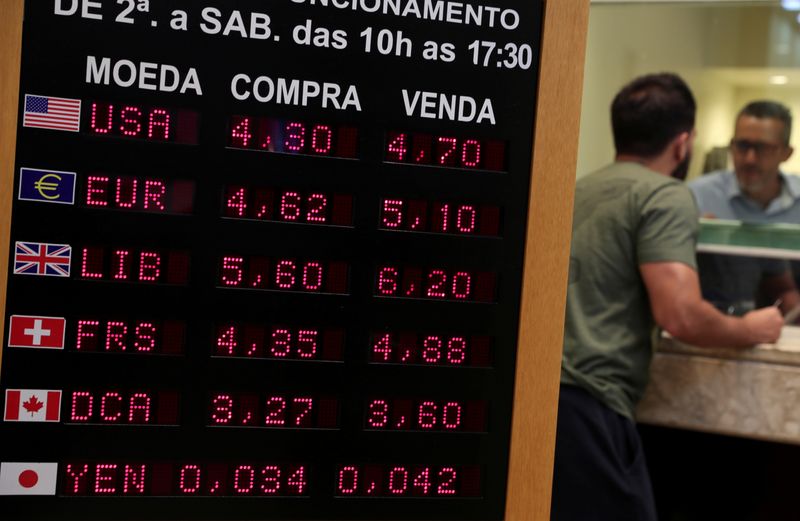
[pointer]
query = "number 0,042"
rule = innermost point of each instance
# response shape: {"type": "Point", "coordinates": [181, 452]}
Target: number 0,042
{"type": "Point", "coordinates": [407, 481]}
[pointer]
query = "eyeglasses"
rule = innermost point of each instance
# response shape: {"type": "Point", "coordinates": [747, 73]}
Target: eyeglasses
{"type": "Point", "coordinates": [743, 146]}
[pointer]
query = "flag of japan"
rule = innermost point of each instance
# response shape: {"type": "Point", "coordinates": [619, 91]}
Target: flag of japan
{"type": "Point", "coordinates": [37, 332]}
{"type": "Point", "coordinates": [32, 405]}
{"type": "Point", "coordinates": [28, 479]}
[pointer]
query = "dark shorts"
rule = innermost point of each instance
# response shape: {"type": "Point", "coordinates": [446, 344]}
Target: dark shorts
{"type": "Point", "coordinates": [600, 472]}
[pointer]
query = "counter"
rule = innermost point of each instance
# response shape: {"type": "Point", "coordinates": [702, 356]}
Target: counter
{"type": "Point", "coordinates": [752, 393]}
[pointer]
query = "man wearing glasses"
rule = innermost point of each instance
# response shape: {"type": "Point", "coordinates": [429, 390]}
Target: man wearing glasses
{"type": "Point", "coordinates": [755, 192]}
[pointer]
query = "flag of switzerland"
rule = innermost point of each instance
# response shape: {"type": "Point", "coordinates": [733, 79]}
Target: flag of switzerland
{"type": "Point", "coordinates": [36, 332]}
{"type": "Point", "coordinates": [32, 405]}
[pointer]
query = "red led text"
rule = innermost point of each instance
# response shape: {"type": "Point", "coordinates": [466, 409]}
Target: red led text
{"type": "Point", "coordinates": [274, 410]}
{"type": "Point", "coordinates": [426, 415]}
{"type": "Point", "coordinates": [445, 151]}
{"type": "Point", "coordinates": [434, 283]}
{"type": "Point", "coordinates": [279, 342]}
{"type": "Point", "coordinates": [407, 481]}
{"type": "Point", "coordinates": [308, 276]}
{"type": "Point", "coordinates": [123, 407]}
{"type": "Point", "coordinates": [242, 480]}
{"type": "Point", "coordinates": [114, 478]}
{"type": "Point", "coordinates": [290, 206]}
{"type": "Point", "coordinates": [437, 350]}
{"type": "Point", "coordinates": [292, 137]}
{"type": "Point", "coordinates": [106, 479]}
{"type": "Point", "coordinates": [129, 265]}
{"type": "Point", "coordinates": [139, 194]}
{"type": "Point", "coordinates": [131, 121]}
{"type": "Point", "coordinates": [421, 216]}
{"type": "Point", "coordinates": [129, 336]}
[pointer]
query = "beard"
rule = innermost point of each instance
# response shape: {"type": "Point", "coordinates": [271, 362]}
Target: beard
{"type": "Point", "coordinates": [682, 170]}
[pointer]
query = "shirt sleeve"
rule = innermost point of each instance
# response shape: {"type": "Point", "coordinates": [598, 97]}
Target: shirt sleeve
{"type": "Point", "coordinates": [668, 226]}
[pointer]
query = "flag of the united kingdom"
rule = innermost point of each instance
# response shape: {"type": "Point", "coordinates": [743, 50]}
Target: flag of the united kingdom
{"type": "Point", "coordinates": [37, 258]}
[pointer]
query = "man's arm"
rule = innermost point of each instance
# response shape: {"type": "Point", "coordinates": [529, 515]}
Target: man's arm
{"type": "Point", "coordinates": [678, 307]}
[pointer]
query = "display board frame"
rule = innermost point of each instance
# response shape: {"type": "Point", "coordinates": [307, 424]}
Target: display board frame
{"type": "Point", "coordinates": [546, 252]}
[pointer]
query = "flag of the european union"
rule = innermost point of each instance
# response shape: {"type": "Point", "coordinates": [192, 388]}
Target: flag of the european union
{"type": "Point", "coordinates": [47, 186]}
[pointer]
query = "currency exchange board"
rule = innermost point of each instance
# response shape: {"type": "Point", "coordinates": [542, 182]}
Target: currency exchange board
{"type": "Point", "coordinates": [266, 258]}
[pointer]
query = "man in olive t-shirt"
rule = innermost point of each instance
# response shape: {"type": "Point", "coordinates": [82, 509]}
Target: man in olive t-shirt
{"type": "Point", "coordinates": [632, 267]}
{"type": "Point", "coordinates": [625, 215]}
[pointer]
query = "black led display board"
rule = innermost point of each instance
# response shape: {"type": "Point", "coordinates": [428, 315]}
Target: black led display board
{"type": "Point", "coordinates": [266, 258]}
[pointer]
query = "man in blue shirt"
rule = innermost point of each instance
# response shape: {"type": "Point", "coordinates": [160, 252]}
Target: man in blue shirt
{"type": "Point", "coordinates": [756, 192]}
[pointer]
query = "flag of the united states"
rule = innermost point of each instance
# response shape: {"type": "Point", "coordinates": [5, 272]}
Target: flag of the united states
{"type": "Point", "coordinates": [52, 113]}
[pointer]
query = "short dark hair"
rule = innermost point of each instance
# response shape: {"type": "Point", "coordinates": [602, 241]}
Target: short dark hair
{"type": "Point", "coordinates": [651, 111]}
{"type": "Point", "coordinates": [770, 109]}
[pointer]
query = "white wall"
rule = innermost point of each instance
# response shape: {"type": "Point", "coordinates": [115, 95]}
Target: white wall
{"type": "Point", "coordinates": [725, 52]}
{"type": "Point", "coordinates": [625, 41]}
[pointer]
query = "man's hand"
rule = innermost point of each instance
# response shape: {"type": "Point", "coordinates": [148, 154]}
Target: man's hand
{"type": "Point", "coordinates": [679, 308]}
{"type": "Point", "coordinates": [764, 325]}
